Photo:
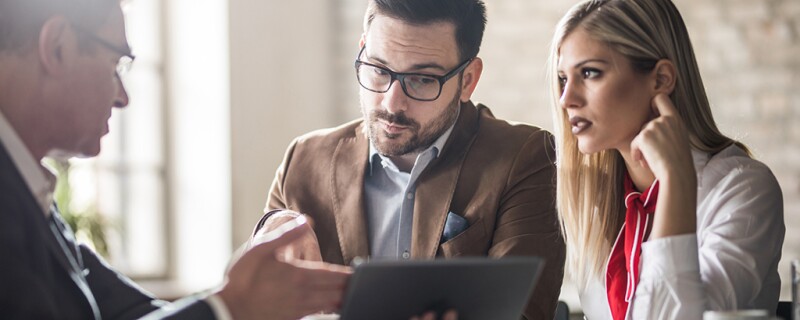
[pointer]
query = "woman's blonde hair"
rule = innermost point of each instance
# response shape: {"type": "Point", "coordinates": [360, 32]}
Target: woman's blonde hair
{"type": "Point", "coordinates": [589, 187]}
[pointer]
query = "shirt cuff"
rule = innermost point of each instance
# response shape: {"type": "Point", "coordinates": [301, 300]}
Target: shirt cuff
{"type": "Point", "coordinates": [669, 256]}
{"type": "Point", "coordinates": [264, 218]}
{"type": "Point", "coordinates": [219, 308]}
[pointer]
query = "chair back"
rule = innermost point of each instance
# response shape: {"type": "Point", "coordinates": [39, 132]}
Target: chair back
{"type": "Point", "coordinates": [562, 311]}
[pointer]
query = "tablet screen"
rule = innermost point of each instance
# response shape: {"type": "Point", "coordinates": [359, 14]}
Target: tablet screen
{"type": "Point", "coordinates": [478, 288]}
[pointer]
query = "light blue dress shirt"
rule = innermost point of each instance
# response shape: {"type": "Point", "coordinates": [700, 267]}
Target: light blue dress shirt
{"type": "Point", "coordinates": [389, 198]}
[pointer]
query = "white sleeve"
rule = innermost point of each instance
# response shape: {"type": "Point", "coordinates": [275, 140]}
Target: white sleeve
{"type": "Point", "coordinates": [670, 286]}
{"type": "Point", "coordinates": [732, 264]}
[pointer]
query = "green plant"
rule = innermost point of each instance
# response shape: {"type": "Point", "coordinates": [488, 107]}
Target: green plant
{"type": "Point", "coordinates": [87, 223]}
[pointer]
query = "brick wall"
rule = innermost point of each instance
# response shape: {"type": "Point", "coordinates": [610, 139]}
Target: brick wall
{"type": "Point", "coordinates": [749, 56]}
{"type": "Point", "coordinates": [748, 52]}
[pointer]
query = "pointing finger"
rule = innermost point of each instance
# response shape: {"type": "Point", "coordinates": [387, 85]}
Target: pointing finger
{"type": "Point", "coordinates": [662, 104]}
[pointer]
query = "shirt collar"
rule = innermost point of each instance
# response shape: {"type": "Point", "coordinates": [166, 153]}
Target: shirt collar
{"type": "Point", "coordinates": [40, 181]}
{"type": "Point", "coordinates": [436, 147]}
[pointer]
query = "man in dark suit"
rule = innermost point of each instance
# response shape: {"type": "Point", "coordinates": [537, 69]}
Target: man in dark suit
{"type": "Point", "coordinates": [425, 173]}
{"type": "Point", "coordinates": [59, 80]}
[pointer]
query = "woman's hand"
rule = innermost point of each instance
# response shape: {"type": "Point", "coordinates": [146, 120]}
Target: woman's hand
{"type": "Point", "coordinates": [663, 147]}
{"type": "Point", "coordinates": [663, 144]}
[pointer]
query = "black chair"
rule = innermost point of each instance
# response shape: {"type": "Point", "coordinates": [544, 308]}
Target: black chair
{"type": "Point", "coordinates": [784, 310]}
{"type": "Point", "coordinates": [562, 311]}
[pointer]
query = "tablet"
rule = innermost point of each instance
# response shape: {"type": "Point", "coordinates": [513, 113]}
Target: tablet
{"type": "Point", "coordinates": [478, 288]}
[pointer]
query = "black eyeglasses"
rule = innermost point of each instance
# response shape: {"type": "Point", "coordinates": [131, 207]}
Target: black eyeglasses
{"type": "Point", "coordinates": [126, 57]}
{"type": "Point", "coordinates": [417, 86]}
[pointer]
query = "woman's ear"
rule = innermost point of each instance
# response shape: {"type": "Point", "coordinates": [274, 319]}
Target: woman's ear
{"type": "Point", "coordinates": [666, 75]}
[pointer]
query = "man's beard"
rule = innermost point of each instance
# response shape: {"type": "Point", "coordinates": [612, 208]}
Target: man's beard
{"type": "Point", "coordinates": [389, 144]}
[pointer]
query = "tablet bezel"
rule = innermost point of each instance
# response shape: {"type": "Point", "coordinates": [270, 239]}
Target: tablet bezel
{"type": "Point", "coordinates": [477, 287]}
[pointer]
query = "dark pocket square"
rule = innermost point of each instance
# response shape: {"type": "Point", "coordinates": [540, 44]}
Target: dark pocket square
{"type": "Point", "coordinates": [453, 226]}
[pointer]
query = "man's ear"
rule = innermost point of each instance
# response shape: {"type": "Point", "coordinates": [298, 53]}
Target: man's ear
{"type": "Point", "coordinates": [665, 76]}
{"type": "Point", "coordinates": [54, 39]}
{"type": "Point", "coordinates": [362, 41]}
{"type": "Point", "coordinates": [471, 76]}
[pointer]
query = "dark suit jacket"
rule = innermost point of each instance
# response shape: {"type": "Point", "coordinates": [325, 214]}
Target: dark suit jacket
{"type": "Point", "coordinates": [499, 177]}
{"type": "Point", "coordinates": [45, 274]}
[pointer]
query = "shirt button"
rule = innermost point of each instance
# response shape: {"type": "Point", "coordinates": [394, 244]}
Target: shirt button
{"type": "Point", "coordinates": [410, 195]}
{"type": "Point", "coordinates": [406, 255]}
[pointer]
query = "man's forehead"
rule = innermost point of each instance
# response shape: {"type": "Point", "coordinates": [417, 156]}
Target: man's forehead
{"type": "Point", "coordinates": [434, 41]}
{"type": "Point", "coordinates": [114, 29]}
{"type": "Point", "coordinates": [440, 33]}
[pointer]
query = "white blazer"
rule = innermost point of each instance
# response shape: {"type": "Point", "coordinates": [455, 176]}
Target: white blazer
{"type": "Point", "coordinates": [730, 263]}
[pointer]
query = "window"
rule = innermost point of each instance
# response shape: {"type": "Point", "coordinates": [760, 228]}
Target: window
{"type": "Point", "coordinates": [126, 183]}
{"type": "Point", "coordinates": [163, 175]}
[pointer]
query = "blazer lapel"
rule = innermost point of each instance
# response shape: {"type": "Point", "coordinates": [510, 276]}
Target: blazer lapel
{"type": "Point", "coordinates": [58, 246]}
{"type": "Point", "coordinates": [349, 166]}
{"type": "Point", "coordinates": [63, 244]}
{"type": "Point", "coordinates": [46, 229]}
{"type": "Point", "coordinates": [437, 184]}
{"type": "Point", "coordinates": [12, 179]}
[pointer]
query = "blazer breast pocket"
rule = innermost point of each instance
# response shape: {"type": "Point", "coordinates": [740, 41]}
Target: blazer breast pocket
{"type": "Point", "coordinates": [473, 241]}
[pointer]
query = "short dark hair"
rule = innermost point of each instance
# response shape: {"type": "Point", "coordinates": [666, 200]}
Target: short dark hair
{"type": "Point", "coordinates": [468, 16]}
{"type": "Point", "coordinates": [21, 20]}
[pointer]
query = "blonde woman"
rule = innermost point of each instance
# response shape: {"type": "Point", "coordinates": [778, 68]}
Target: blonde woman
{"type": "Point", "coordinates": [664, 216]}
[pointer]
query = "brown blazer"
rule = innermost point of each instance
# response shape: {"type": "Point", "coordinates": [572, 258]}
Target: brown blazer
{"type": "Point", "coordinates": [499, 177]}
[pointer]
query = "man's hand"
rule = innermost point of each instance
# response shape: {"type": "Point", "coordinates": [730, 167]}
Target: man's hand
{"type": "Point", "coordinates": [262, 286]}
{"type": "Point", "coordinates": [305, 248]}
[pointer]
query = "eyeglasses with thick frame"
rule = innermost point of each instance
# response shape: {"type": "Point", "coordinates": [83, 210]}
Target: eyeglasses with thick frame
{"type": "Point", "coordinates": [404, 77]}
{"type": "Point", "coordinates": [126, 57]}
